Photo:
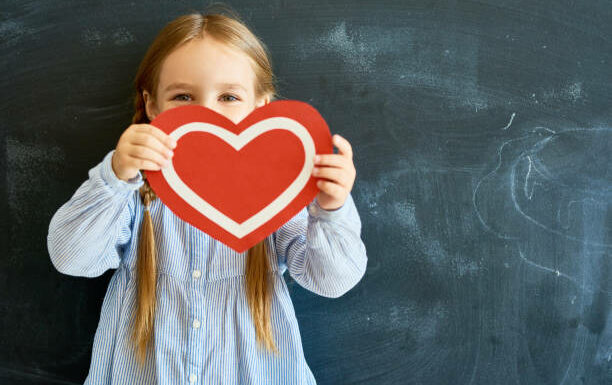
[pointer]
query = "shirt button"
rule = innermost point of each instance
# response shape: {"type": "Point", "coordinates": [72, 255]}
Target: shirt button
{"type": "Point", "coordinates": [192, 378]}
{"type": "Point", "coordinates": [196, 324]}
{"type": "Point", "coordinates": [196, 274]}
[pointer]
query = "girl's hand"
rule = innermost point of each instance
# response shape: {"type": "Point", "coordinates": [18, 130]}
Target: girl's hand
{"type": "Point", "coordinates": [141, 147]}
{"type": "Point", "coordinates": [337, 172]}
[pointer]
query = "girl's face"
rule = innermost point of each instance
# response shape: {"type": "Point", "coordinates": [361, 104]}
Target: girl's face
{"type": "Point", "coordinates": [207, 73]}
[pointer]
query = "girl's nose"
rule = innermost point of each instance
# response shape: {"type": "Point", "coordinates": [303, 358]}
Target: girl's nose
{"type": "Point", "coordinates": [209, 105]}
{"type": "Point", "coordinates": [206, 104]}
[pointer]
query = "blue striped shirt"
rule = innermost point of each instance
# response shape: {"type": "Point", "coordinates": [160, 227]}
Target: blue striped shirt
{"type": "Point", "coordinates": [203, 331]}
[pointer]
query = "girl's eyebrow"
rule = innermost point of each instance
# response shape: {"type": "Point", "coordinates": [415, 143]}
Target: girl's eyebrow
{"type": "Point", "coordinates": [174, 86]}
{"type": "Point", "coordinates": [231, 86]}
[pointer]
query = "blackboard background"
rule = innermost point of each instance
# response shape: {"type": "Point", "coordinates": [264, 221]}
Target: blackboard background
{"type": "Point", "coordinates": [482, 133]}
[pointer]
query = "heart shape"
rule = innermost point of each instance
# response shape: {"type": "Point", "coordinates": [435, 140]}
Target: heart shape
{"type": "Point", "coordinates": [241, 182]}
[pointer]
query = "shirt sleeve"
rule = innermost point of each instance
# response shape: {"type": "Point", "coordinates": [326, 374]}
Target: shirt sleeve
{"type": "Point", "coordinates": [322, 249]}
{"type": "Point", "coordinates": [87, 233]}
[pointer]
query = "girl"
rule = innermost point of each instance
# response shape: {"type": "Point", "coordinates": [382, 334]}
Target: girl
{"type": "Point", "coordinates": [181, 306]}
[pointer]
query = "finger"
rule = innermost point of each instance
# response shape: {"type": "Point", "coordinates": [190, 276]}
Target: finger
{"type": "Point", "coordinates": [147, 154]}
{"type": "Point", "coordinates": [162, 136]}
{"type": "Point", "coordinates": [158, 134]}
{"type": "Point", "coordinates": [337, 175]}
{"type": "Point", "coordinates": [142, 164]}
{"type": "Point", "coordinates": [332, 160]}
{"type": "Point", "coordinates": [147, 139]}
{"type": "Point", "coordinates": [344, 147]}
{"type": "Point", "coordinates": [331, 188]}
{"type": "Point", "coordinates": [136, 163]}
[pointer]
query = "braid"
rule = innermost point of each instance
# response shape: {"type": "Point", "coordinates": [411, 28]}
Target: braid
{"type": "Point", "coordinates": [146, 277]}
{"type": "Point", "coordinates": [147, 195]}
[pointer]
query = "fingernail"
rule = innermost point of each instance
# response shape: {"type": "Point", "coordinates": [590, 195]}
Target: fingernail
{"type": "Point", "coordinates": [317, 158]}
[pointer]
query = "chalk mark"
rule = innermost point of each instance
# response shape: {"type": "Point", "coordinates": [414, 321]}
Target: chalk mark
{"type": "Point", "coordinates": [534, 150]}
{"type": "Point", "coordinates": [560, 274]}
{"type": "Point", "coordinates": [499, 163]}
{"type": "Point", "coordinates": [566, 226]}
{"type": "Point", "coordinates": [543, 128]}
{"type": "Point", "coordinates": [479, 346]}
{"type": "Point", "coordinates": [517, 206]}
{"type": "Point", "coordinates": [510, 122]}
{"type": "Point", "coordinates": [529, 194]}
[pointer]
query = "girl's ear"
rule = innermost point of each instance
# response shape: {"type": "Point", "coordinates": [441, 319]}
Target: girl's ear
{"type": "Point", "coordinates": [150, 107]}
{"type": "Point", "coordinates": [263, 101]}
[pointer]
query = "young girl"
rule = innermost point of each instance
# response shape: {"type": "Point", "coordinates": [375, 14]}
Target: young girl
{"type": "Point", "coordinates": [182, 307]}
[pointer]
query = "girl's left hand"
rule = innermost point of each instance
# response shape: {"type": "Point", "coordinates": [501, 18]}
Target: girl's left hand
{"type": "Point", "coordinates": [337, 174]}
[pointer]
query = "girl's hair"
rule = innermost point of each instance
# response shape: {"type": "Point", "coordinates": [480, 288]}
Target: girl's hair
{"type": "Point", "coordinates": [231, 31]}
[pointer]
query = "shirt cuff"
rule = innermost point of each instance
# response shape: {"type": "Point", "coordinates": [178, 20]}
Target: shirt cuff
{"type": "Point", "coordinates": [109, 176]}
{"type": "Point", "coordinates": [316, 211]}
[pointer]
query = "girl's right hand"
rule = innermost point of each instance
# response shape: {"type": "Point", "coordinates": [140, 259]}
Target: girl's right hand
{"type": "Point", "coordinates": [141, 147]}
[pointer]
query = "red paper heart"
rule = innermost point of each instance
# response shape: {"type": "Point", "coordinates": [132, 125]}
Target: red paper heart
{"type": "Point", "coordinates": [241, 182]}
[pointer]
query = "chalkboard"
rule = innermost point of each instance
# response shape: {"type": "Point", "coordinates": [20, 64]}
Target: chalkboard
{"type": "Point", "coordinates": [482, 133]}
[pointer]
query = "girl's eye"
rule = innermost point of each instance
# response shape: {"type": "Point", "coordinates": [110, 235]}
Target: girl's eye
{"type": "Point", "coordinates": [181, 100]}
{"type": "Point", "coordinates": [223, 97]}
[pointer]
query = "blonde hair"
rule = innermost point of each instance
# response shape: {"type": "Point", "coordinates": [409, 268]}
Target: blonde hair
{"type": "Point", "coordinates": [232, 31]}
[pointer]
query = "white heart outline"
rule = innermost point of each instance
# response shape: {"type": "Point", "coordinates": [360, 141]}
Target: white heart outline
{"type": "Point", "coordinates": [239, 230]}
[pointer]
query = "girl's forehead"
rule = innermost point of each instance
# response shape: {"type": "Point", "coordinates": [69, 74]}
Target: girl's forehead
{"type": "Point", "coordinates": [206, 62]}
